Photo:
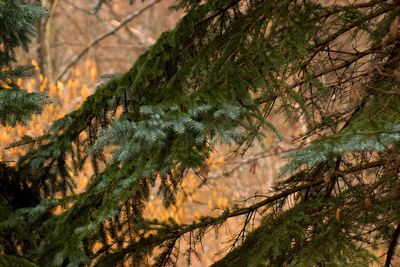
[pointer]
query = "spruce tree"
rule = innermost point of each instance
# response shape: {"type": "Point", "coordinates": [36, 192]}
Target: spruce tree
{"type": "Point", "coordinates": [16, 29]}
{"type": "Point", "coordinates": [218, 77]}
{"type": "Point", "coordinates": [16, 107]}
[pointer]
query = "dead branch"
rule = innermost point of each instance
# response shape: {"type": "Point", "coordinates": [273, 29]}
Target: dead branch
{"type": "Point", "coordinates": [75, 59]}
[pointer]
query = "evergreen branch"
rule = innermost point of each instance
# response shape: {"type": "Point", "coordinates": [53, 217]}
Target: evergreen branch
{"type": "Point", "coordinates": [198, 84]}
{"type": "Point", "coordinates": [172, 233]}
{"type": "Point", "coordinates": [354, 24]}
{"type": "Point", "coordinates": [217, 13]}
{"type": "Point", "coordinates": [103, 36]}
{"type": "Point", "coordinates": [392, 246]}
{"type": "Point", "coordinates": [366, 166]}
{"type": "Point", "coordinates": [346, 63]}
{"type": "Point", "coordinates": [318, 46]}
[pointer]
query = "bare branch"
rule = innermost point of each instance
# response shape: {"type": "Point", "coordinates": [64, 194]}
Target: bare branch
{"type": "Point", "coordinates": [392, 246]}
{"type": "Point", "coordinates": [75, 59]}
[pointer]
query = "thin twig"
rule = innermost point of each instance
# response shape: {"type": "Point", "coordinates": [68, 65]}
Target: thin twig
{"type": "Point", "coordinates": [75, 59]}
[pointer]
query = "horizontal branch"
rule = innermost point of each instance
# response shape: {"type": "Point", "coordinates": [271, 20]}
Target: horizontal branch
{"type": "Point", "coordinates": [168, 233]}
{"type": "Point", "coordinates": [177, 231]}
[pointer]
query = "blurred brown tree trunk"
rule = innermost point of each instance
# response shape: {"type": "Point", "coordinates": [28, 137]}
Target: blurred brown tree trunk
{"type": "Point", "coordinates": [44, 39]}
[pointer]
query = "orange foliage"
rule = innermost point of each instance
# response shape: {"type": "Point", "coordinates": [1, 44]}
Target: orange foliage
{"type": "Point", "coordinates": [65, 97]}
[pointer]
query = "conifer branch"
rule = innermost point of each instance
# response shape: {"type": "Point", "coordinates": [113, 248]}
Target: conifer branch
{"type": "Point", "coordinates": [392, 246]}
{"type": "Point", "coordinates": [217, 13]}
{"type": "Point", "coordinates": [356, 23]}
{"type": "Point", "coordinates": [202, 83]}
{"type": "Point", "coordinates": [174, 232]}
{"type": "Point", "coordinates": [346, 63]}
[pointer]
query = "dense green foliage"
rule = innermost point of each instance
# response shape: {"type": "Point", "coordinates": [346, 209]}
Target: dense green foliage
{"type": "Point", "coordinates": [16, 106]}
{"type": "Point", "coordinates": [217, 77]}
{"type": "Point", "coordinates": [16, 28]}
